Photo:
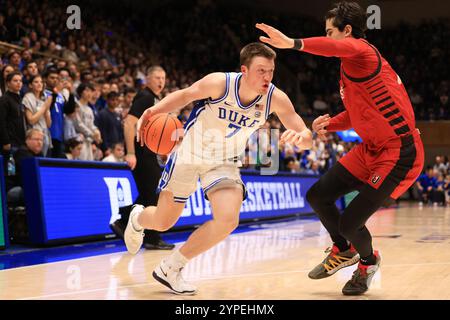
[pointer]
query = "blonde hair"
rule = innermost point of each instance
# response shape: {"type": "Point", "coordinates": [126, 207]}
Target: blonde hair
{"type": "Point", "coordinates": [255, 49]}
{"type": "Point", "coordinates": [30, 132]}
{"type": "Point", "coordinates": [152, 69]}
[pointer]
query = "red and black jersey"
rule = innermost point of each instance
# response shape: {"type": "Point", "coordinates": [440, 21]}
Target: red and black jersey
{"type": "Point", "coordinates": [376, 102]}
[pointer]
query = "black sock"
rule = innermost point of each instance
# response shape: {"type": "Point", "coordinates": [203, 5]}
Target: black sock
{"type": "Point", "coordinates": [369, 260]}
{"type": "Point", "coordinates": [151, 236]}
{"type": "Point", "coordinates": [125, 214]}
{"type": "Point", "coordinates": [342, 245]}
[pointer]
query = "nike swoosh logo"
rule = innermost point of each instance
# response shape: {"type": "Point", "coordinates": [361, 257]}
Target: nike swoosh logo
{"type": "Point", "coordinates": [164, 273]}
{"type": "Point", "coordinates": [228, 104]}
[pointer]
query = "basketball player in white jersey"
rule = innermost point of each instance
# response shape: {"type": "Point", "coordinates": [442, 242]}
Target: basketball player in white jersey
{"type": "Point", "coordinates": [232, 106]}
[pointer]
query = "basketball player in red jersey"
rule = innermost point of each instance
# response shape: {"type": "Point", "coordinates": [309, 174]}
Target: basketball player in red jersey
{"type": "Point", "coordinates": [388, 161]}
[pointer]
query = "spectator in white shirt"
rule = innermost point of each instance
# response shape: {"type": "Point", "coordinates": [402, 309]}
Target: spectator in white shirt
{"type": "Point", "coordinates": [117, 153]}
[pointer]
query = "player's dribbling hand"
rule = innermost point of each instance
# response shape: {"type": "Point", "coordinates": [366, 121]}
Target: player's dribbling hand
{"type": "Point", "coordinates": [141, 125]}
{"type": "Point", "coordinates": [276, 38]}
{"type": "Point", "coordinates": [319, 125]}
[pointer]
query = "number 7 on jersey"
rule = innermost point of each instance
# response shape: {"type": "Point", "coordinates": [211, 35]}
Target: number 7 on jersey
{"type": "Point", "coordinates": [235, 129]}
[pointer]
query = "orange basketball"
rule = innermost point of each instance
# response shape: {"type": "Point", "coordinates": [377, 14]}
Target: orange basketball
{"type": "Point", "coordinates": [161, 133]}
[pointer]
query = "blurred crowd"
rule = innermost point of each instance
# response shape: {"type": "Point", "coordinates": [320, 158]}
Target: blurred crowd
{"type": "Point", "coordinates": [433, 186]}
{"type": "Point", "coordinates": [264, 148]}
{"type": "Point", "coordinates": [65, 93]}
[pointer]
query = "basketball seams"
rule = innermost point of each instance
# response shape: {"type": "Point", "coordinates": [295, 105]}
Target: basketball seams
{"type": "Point", "coordinates": [156, 139]}
{"type": "Point", "coordinates": [146, 137]}
{"type": "Point", "coordinates": [176, 130]}
{"type": "Point", "coordinates": [147, 127]}
{"type": "Point", "coordinates": [162, 133]}
{"type": "Point", "coordinates": [165, 147]}
{"type": "Point", "coordinates": [156, 119]}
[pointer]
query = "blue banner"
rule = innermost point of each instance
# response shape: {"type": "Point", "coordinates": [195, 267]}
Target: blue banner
{"type": "Point", "coordinates": [73, 199]}
{"type": "Point", "coordinates": [83, 201]}
{"type": "Point", "coordinates": [69, 200]}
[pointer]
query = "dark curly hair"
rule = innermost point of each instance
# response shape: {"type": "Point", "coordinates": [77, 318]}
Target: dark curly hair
{"type": "Point", "coordinates": [349, 13]}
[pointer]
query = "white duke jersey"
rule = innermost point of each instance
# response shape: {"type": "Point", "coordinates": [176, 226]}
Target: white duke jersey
{"type": "Point", "coordinates": [218, 130]}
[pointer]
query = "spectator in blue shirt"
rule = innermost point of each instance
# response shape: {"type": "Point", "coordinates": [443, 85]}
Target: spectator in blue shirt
{"type": "Point", "coordinates": [58, 108]}
{"type": "Point", "coordinates": [101, 101]}
{"type": "Point", "coordinates": [439, 191]}
{"type": "Point", "coordinates": [29, 71]}
{"type": "Point", "coordinates": [314, 168]}
{"type": "Point", "coordinates": [425, 185]}
{"type": "Point", "coordinates": [109, 123]}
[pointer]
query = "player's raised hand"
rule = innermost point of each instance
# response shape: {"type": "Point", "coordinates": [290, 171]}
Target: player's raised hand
{"type": "Point", "coordinates": [319, 125]}
{"type": "Point", "coordinates": [275, 37]}
{"type": "Point", "coordinates": [141, 125]}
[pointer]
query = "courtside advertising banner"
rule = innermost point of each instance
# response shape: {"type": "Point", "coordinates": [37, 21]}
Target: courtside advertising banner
{"type": "Point", "coordinates": [71, 200]}
{"type": "Point", "coordinates": [267, 197]}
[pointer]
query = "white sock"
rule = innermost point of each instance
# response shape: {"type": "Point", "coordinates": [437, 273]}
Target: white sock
{"type": "Point", "coordinates": [177, 260]}
{"type": "Point", "coordinates": [135, 223]}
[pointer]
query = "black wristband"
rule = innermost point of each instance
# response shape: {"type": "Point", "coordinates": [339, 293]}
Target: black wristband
{"type": "Point", "coordinates": [297, 44]}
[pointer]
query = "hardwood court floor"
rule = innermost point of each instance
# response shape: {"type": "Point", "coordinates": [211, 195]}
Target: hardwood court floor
{"type": "Point", "coordinates": [269, 262]}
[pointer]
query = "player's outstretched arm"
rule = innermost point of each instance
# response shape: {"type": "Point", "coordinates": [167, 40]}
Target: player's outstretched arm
{"type": "Point", "coordinates": [211, 86]}
{"type": "Point", "coordinates": [324, 124]}
{"type": "Point", "coordinates": [339, 122]}
{"type": "Point", "coordinates": [321, 46]}
{"type": "Point", "coordinates": [297, 132]}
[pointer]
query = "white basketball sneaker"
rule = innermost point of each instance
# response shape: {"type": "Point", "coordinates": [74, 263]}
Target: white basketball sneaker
{"type": "Point", "coordinates": [134, 238]}
{"type": "Point", "coordinates": [171, 277]}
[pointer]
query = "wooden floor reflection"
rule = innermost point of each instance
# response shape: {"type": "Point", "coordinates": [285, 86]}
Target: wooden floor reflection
{"type": "Point", "coordinates": [270, 262]}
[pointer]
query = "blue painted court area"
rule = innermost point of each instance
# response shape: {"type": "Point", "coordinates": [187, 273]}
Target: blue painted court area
{"type": "Point", "coordinates": [20, 256]}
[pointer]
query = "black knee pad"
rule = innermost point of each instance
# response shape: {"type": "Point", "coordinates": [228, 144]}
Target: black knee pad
{"type": "Point", "coordinates": [317, 195]}
{"type": "Point", "coordinates": [313, 194]}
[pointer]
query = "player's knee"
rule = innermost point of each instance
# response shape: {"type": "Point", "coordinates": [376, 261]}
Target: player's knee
{"type": "Point", "coordinates": [228, 224]}
{"type": "Point", "coordinates": [234, 224]}
{"type": "Point", "coordinates": [318, 195]}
